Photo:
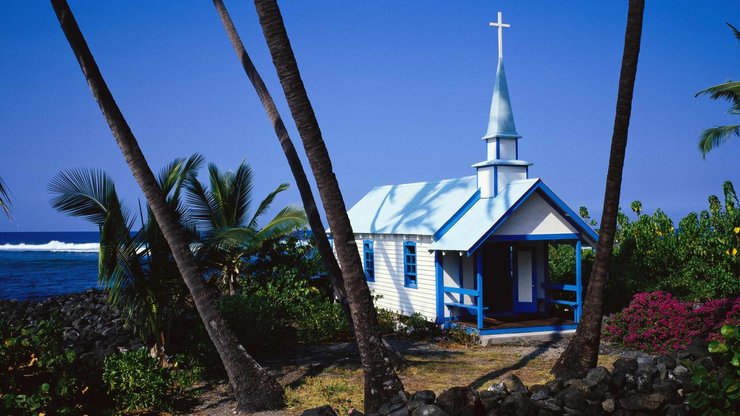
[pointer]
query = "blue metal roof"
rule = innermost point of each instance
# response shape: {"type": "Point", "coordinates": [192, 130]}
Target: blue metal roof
{"type": "Point", "coordinates": [501, 121]}
{"type": "Point", "coordinates": [483, 215]}
{"type": "Point", "coordinates": [486, 214]}
{"type": "Point", "coordinates": [415, 208]}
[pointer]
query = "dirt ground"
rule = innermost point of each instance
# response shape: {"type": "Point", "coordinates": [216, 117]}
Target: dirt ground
{"type": "Point", "coordinates": [330, 374]}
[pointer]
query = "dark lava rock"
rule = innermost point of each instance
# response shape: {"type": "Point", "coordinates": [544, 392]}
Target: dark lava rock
{"type": "Point", "coordinates": [460, 401]}
{"type": "Point", "coordinates": [320, 411]}
{"type": "Point", "coordinates": [428, 410]}
{"type": "Point", "coordinates": [518, 404]}
{"type": "Point", "coordinates": [395, 406]}
{"type": "Point", "coordinates": [572, 398]}
{"type": "Point", "coordinates": [514, 384]}
{"type": "Point", "coordinates": [539, 392]}
{"type": "Point", "coordinates": [666, 360]}
{"type": "Point", "coordinates": [669, 390]}
{"type": "Point", "coordinates": [426, 396]}
{"type": "Point", "coordinates": [643, 402]}
{"type": "Point", "coordinates": [597, 376]}
{"type": "Point", "coordinates": [628, 365]}
{"type": "Point", "coordinates": [675, 410]}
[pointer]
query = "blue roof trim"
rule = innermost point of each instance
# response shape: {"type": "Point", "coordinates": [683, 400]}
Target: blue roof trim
{"type": "Point", "coordinates": [504, 217]}
{"type": "Point", "coordinates": [446, 227]}
{"type": "Point", "coordinates": [575, 219]}
{"type": "Point", "coordinates": [554, 200]}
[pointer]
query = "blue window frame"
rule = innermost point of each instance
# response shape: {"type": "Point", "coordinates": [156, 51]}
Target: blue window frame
{"type": "Point", "coordinates": [369, 260]}
{"type": "Point", "coordinates": [409, 264]}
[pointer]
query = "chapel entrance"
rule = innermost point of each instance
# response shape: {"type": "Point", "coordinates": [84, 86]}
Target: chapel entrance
{"type": "Point", "coordinates": [497, 278]}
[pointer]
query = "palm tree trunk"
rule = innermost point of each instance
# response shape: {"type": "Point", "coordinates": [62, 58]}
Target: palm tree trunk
{"type": "Point", "coordinates": [381, 381]}
{"type": "Point", "coordinates": [296, 167]}
{"type": "Point", "coordinates": [253, 387]}
{"type": "Point", "coordinates": [583, 350]}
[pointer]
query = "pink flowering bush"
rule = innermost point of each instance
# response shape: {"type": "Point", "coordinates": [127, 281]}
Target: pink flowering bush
{"type": "Point", "coordinates": [659, 322]}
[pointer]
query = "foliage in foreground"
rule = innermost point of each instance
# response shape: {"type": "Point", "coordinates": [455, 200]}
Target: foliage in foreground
{"type": "Point", "coordinates": [37, 375]}
{"type": "Point", "coordinates": [284, 296]}
{"type": "Point", "coordinates": [697, 260]}
{"type": "Point", "coordinates": [659, 322]}
{"type": "Point", "coordinates": [718, 389]}
{"type": "Point", "coordinates": [136, 381]}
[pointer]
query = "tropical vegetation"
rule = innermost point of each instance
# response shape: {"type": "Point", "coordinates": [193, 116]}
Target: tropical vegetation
{"type": "Point", "coordinates": [696, 259]}
{"type": "Point", "coordinates": [718, 383]}
{"type": "Point", "coordinates": [730, 91]}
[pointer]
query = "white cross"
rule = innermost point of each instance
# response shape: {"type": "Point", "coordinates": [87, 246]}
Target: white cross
{"type": "Point", "coordinates": [500, 25]}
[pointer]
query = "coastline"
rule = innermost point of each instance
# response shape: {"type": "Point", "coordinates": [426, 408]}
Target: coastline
{"type": "Point", "coordinates": [90, 327]}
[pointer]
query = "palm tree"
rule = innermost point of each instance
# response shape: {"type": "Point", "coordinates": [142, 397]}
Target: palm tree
{"type": "Point", "coordinates": [5, 199]}
{"type": "Point", "coordinates": [583, 349]}
{"type": "Point", "coordinates": [135, 266]}
{"type": "Point", "coordinates": [296, 166]}
{"type": "Point", "coordinates": [252, 386]}
{"type": "Point", "coordinates": [222, 213]}
{"type": "Point", "coordinates": [730, 91]}
{"type": "Point", "coordinates": [381, 381]}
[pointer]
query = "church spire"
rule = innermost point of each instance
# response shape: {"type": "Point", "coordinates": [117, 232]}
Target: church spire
{"type": "Point", "coordinates": [501, 120]}
{"type": "Point", "coordinates": [502, 164]}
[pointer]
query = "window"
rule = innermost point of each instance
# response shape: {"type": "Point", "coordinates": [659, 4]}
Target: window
{"type": "Point", "coordinates": [409, 264]}
{"type": "Point", "coordinates": [369, 257]}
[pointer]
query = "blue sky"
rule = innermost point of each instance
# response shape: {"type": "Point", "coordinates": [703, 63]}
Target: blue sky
{"type": "Point", "coordinates": [401, 90]}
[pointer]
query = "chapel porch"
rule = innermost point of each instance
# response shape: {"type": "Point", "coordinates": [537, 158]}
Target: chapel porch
{"type": "Point", "coordinates": [503, 286]}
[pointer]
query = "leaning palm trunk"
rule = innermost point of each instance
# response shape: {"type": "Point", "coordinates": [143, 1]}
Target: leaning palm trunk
{"type": "Point", "coordinates": [253, 387]}
{"type": "Point", "coordinates": [296, 167]}
{"type": "Point", "coordinates": [381, 381]}
{"type": "Point", "coordinates": [583, 350]}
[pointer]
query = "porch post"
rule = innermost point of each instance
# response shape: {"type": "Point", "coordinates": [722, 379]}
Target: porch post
{"type": "Point", "coordinates": [439, 274]}
{"type": "Point", "coordinates": [579, 283]}
{"type": "Point", "coordinates": [479, 281]}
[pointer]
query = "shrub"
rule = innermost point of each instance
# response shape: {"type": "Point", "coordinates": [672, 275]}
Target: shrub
{"type": "Point", "coordinates": [387, 321]}
{"type": "Point", "coordinates": [136, 381]}
{"type": "Point", "coordinates": [286, 306]}
{"type": "Point", "coordinates": [718, 391]}
{"type": "Point", "coordinates": [659, 322]}
{"type": "Point", "coordinates": [415, 326]}
{"type": "Point", "coordinates": [36, 374]}
{"type": "Point", "coordinates": [461, 336]}
{"type": "Point", "coordinates": [321, 321]}
{"type": "Point", "coordinates": [697, 259]}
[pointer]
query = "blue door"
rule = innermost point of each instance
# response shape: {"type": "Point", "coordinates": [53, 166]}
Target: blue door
{"type": "Point", "coordinates": [525, 291]}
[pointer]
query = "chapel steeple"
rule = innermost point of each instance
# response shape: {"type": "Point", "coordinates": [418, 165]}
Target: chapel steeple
{"type": "Point", "coordinates": [502, 164]}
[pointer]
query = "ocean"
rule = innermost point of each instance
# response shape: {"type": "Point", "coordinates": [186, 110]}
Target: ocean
{"type": "Point", "coordinates": [37, 265]}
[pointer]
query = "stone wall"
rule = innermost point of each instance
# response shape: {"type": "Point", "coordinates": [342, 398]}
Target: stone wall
{"type": "Point", "coordinates": [91, 327]}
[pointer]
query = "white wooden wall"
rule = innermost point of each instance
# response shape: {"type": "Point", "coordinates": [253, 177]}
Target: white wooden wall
{"type": "Point", "coordinates": [451, 265]}
{"type": "Point", "coordinates": [389, 276]}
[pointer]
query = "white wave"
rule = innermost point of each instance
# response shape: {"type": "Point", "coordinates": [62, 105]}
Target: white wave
{"type": "Point", "coordinates": [54, 246]}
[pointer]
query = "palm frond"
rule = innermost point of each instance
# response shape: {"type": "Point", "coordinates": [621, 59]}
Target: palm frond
{"type": "Point", "coordinates": [5, 199]}
{"type": "Point", "coordinates": [241, 197]}
{"type": "Point", "coordinates": [172, 177]}
{"type": "Point", "coordinates": [265, 205]}
{"type": "Point", "coordinates": [735, 31]}
{"type": "Point", "coordinates": [727, 91]}
{"type": "Point", "coordinates": [203, 208]}
{"type": "Point", "coordinates": [286, 221]}
{"type": "Point", "coordinates": [713, 137]}
{"type": "Point", "coordinates": [86, 193]}
{"type": "Point", "coordinates": [219, 191]}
